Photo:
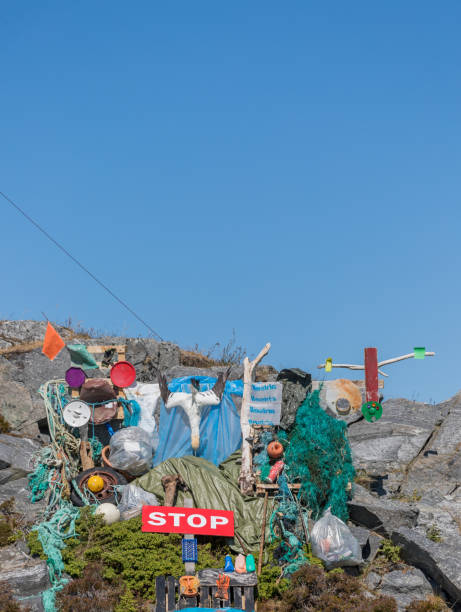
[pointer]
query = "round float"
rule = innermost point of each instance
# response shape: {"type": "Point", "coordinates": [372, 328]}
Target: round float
{"type": "Point", "coordinates": [123, 374]}
{"type": "Point", "coordinates": [75, 377]}
{"type": "Point", "coordinates": [76, 413]}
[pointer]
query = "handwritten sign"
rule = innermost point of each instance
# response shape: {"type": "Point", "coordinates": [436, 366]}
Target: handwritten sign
{"type": "Point", "coordinates": [172, 519]}
{"type": "Point", "coordinates": [265, 403]}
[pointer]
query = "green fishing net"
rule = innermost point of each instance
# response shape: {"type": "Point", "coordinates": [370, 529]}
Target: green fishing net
{"type": "Point", "coordinates": [318, 455]}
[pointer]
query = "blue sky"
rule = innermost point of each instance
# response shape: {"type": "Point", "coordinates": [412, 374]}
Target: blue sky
{"type": "Point", "coordinates": [287, 170]}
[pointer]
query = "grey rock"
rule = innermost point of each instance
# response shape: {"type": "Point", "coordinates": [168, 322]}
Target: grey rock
{"type": "Point", "coordinates": [369, 542]}
{"type": "Point", "coordinates": [26, 576]}
{"type": "Point", "coordinates": [18, 489]}
{"type": "Point", "coordinates": [440, 463]}
{"type": "Point", "coordinates": [380, 515]}
{"type": "Point", "coordinates": [372, 580]}
{"type": "Point", "coordinates": [178, 371]}
{"type": "Point", "coordinates": [295, 386]}
{"type": "Point", "coordinates": [34, 368]}
{"type": "Point", "coordinates": [15, 404]}
{"type": "Point", "coordinates": [386, 448]}
{"type": "Point", "coordinates": [34, 604]}
{"type": "Point", "coordinates": [405, 586]}
{"type": "Point", "coordinates": [147, 355]}
{"type": "Point", "coordinates": [440, 561]}
{"type": "Point", "coordinates": [18, 452]}
{"type": "Point", "coordinates": [11, 474]}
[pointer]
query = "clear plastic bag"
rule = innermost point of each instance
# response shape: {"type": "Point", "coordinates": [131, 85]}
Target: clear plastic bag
{"type": "Point", "coordinates": [132, 500]}
{"type": "Point", "coordinates": [132, 449]}
{"type": "Point", "coordinates": [333, 542]}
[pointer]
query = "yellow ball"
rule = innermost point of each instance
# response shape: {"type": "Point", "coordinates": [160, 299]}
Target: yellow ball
{"type": "Point", "coordinates": [95, 483]}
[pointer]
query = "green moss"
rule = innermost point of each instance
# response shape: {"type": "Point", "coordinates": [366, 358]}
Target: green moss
{"type": "Point", "coordinates": [35, 546]}
{"type": "Point", "coordinates": [390, 551]}
{"type": "Point", "coordinates": [434, 533]}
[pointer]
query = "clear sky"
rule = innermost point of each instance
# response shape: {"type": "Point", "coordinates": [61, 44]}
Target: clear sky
{"type": "Point", "coordinates": [290, 170]}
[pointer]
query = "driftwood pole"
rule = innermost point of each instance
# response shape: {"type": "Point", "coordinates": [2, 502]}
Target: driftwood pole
{"type": "Point", "coordinates": [246, 479]}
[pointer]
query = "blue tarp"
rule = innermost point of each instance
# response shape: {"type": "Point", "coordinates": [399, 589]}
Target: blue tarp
{"type": "Point", "coordinates": [220, 433]}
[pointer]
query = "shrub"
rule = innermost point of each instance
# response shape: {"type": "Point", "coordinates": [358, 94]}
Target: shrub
{"type": "Point", "coordinates": [89, 593]}
{"type": "Point", "coordinates": [7, 601]}
{"type": "Point", "coordinates": [430, 604]}
{"type": "Point", "coordinates": [314, 590]}
{"type": "Point", "coordinates": [127, 554]}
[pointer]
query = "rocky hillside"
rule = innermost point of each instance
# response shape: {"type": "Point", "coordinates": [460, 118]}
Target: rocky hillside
{"type": "Point", "coordinates": [408, 464]}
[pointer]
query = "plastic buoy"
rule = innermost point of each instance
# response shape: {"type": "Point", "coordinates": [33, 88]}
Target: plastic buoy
{"type": "Point", "coordinates": [274, 449]}
{"type": "Point", "coordinates": [228, 565]}
{"type": "Point", "coordinates": [110, 513]}
{"type": "Point", "coordinates": [123, 374]}
{"type": "Point", "coordinates": [250, 563]}
{"type": "Point", "coordinates": [75, 377]}
{"type": "Point", "coordinates": [240, 564]}
{"type": "Point", "coordinates": [95, 483]}
{"type": "Point", "coordinates": [76, 413]}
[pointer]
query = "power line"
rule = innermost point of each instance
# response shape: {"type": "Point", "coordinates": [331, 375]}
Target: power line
{"type": "Point", "coordinates": [80, 265]}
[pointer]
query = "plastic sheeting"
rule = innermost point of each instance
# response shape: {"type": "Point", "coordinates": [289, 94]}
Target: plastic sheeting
{"type": "Point", "coordinates": [220, 433]}
{"type": "Point", "coordinates": [215, 488]}
{"type": "Point", "coordinates": [147, 395]}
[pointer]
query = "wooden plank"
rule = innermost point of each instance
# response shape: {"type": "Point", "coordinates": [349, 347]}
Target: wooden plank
{"type": "Point", "coordinates": [371, 374]}
{"type": "Point", "coordinates": [361, 383]}
{"type": "Point", "coordinates": [171, 593]}
{"type": "Point", "coordinates": [102, 348]}
{"type": "Point", "coordinates": [215, 601]}
{"type": "Point", "coordinates": [161, 594]}
{"type": "Point", "coordinates": [358, 383]}
{"type": "Point", "coordinates": [187, 602]}
{"type": "Point", "coordinates": [237, 592]}
{"type": "Point", "coordinates": [265, 487]}
{"type": "Point", "coordinates": [249, 599]}
{"type": "Point", "coordinates": [204, 597]}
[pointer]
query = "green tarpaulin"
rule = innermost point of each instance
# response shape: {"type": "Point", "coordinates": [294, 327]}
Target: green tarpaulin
{"type": "Point", "coordinates": [214, 487]}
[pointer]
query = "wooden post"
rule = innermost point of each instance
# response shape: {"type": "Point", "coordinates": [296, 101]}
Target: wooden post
{"type": "Point", "coordinates": [371, 374]}
{"type": "Point", "coordinates": [189, 565]}
{"type": "Point", "coordinates": [246, 478]}
{"type": "Point", "coordinates": [263, 533]}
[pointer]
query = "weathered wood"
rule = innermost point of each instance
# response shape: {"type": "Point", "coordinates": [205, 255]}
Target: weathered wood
{"type": "Point", "coordinates": [249, 599]}
{"type": "Point", "coordinates": [171, 593]}
{"type": "Point", "coordinates": [409, 356]}
{"type": "Point", "coordinates": [215, 601]}
{"type": "Point", "coordinates": [246, 479]}
{"type": "Point", "coordinates": [102, 348]}
{"type": "Point", "coordinates": [187, 602]}
{"type": "Point", "coordinates": [371, 374]}
{"type": "Point", "coordinates": [267, 487]}
{"type": "Point", "coordinates": [237, 591]}
{"type": "Point", "coordinates": [204, 596]}
{"type": "Point", "coordinates": [160, 588]}
{"type": "Point", "coordinates": [263, 533]}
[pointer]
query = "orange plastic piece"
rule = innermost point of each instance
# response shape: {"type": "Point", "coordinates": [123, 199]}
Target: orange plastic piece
{"type": "Point", "coordinates": [188, 586]}
{"type": "Point", "coordinates": [53, 343]}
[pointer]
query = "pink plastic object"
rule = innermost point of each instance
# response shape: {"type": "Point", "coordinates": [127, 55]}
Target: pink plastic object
{"type": "Point", "coordinates": [240, 564]}
{"type": "Point", "coordinates": [123, 374]}
{"type": "Point", "coordinates": [276, 470]}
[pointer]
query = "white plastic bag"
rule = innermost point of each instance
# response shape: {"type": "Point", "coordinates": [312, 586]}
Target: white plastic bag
{"type": "Point", "coordinates": [132, 449]}
{"type": "Point", "coordinates": [132, 500]}
{"type": "Point", "coordinates": [333, 542]}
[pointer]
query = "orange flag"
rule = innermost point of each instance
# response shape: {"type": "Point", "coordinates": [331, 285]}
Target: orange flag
{"type": "Point", "coordinates": [53, 343]}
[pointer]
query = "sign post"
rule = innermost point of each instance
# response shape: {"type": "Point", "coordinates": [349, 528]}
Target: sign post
{"type": "Point", "coordinates": [172, 519]}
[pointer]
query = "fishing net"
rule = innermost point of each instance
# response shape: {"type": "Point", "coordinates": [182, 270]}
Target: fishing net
{"type": "Point", "coordinates": [318, 455]}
